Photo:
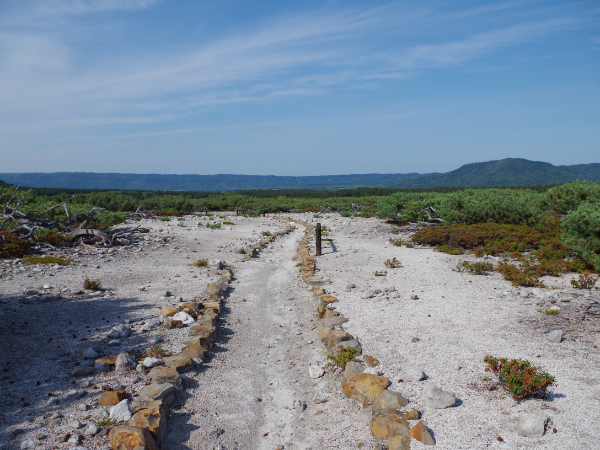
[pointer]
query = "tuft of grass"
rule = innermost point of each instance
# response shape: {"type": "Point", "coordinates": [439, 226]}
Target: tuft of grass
{"type": "Point", "coordinates": [316, 216]}
{"type": "Point", "coordinates": [346, 214]}
{"type": "Point", "coordinates": [228, 223]}
{"type": "Point", "coordinates": [300, 264]}
{"type": "Point", "coordinates": [181, 219]}
{"type": "Point", "coordinates": [192, 312]}
{"type": "Point", "coordinates": [103, 422]}
{"type": "Point", "coordinates": [266, 233]}
{"type": "Point", "coordinates": [392, 263]}
{"type": "Point", "coordinates": [33, 259]}
{"type": "Point", "coordinates": [520, 378]}
{"type": "Point", "coordinates": [486, 379]}
{"type": "Point", "coordinates": [381, 274]}
{"type": "Point", "coordinates": [200, 263]}
{"type": "Point", "coordinates": [156, 352]}
{"type": "Point", "coordinates": [343, 357]}
{"type": "Point", "coordinates": [222, 217]}
{"type": "Point", "coordinates": [584, 282]}
{"type": "Point", "coordinates": [550, 312]}
{"type": "Point", "coordinates": [164, 219]}
{"type": "Point", "coordinates": [95, 285]}
{"type": "Point", "coordinates": [399, 242]}
{"type": "Point", "coordinates": [322, 310]}
{"type": "Point", "coordinates": [214, 226]}
{"type": "Point", "coordinates": [476, 268]}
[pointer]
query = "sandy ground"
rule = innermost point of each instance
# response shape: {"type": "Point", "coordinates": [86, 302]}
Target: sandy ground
{"type": "Point", "coordinates": [255, 384]}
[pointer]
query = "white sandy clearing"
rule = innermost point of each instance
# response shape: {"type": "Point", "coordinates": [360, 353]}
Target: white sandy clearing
{"type": "Point", "coordinates": [460, 318]}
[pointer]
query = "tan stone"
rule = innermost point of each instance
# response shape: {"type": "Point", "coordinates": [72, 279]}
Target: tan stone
{"type": "Point", "coordinates": [318, 292]}
{"type": "Point", "coordinates": [364, 387]}
{"type": "Point", "coordinates": [388, 424]}
{"type": "Point", "coordinates": [335, 337]}
{"type": "Point", "coordinates": [324, 333]}
{"type": "Point", "coordinates": [164, 392]}
{"type": "Point", "coordinates": [129, 438]}
{"type": "Point", "coordinates": [164, 374]}
{"type": "Point", "coordinates": [202, 342]}
{"type": "Point", "coordinates": [399, 443]}
{"type": "Point", "coordinates": [193, 351]}
{"type": "Point", "coordinates": [333, 321]}
{"type": "Point", "coordinates": [152, 404]}
{"type": "Point", "coordinates": [370, 361]}
{"type": "Point", "coordinates": [190, 305]}
{"type": "Point", "coordinates": [205, 333]}
{"type": "Point", "coordinates": [422, 434]}
{"type": "Point", "coordinates": [152, 419]}
{"type": "Point", "coordinates": [178, 362]}
{"type": "Point", "coordinates": [168, 311]}
{"type": "Point", "coordinates": [413, 415]}
{"type": "Point", "coordinates": [329, 298]}
{"type": "Point", "coordinates": [170, 324]}
{"type": "Point", "coordinates": [206, 319]}
{"type": "Point", "coordinates": [213, 305]}
{"type": "Point", "coordinates": [110, 360]}
{"type": "Point", "coordinates": [213, 289]}
{"type": "Point", "coordinates": [388, 400]}
{"type": "Point", "coordinates": [111, 398]}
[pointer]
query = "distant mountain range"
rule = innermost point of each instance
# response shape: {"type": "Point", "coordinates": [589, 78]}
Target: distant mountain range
{"type": "Point", "coordinates": [505, 172]}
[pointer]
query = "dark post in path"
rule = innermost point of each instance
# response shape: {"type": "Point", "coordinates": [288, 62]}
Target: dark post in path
{"type": "Point", "coordinates": [318, 239]}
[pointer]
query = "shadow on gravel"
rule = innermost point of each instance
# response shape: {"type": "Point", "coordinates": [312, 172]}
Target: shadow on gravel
{"type": "Point", "coordinates": [43, 342]}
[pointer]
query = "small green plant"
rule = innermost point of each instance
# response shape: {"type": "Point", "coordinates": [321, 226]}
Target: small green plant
{"type": "Point", "coordinates": [346, 214]}
{"type": "Point", "coordinates": [381, 274]}
{"type": "Point", "coordinates": [192, 312]}
{"type": "Point", "coordinates": [584, 282]}
{"type": "Point", "coordinates": [476, 268]}
{"type": "Point", "coordinates": [228, 223]}
{"type": "Point", "coordinates": [33, 259]}
{"type": "Point", "coordinates": [200, 263]}
{"type": "Point", "coordinates": [322, 310]}
{"type": "Point", "coordinates": [399, 242]}
{"type": "Point", "coordinates": [392, 263]}
{"type": "Point", "coordinates": [94, 285]}
{"type": "Point", "coordinates": [550, 312]}
{"type": "Point", "coordinates": [316, 216]}
{"type": "Point", "coordinates": [300, 264]}
{"type": "Point", "coordinates": [156, 352]}
{"type": "Point", "coordinates": [164, 219]}
{"type": "Point", "coordinates": [181, 219]}
{"type": "Point", "coordinates": [486, 379]}
{"type": "Point", "coordinates": [444, 248]}
{"type": "Point", "coordinates": [280, 233]}
{"type": "Point", "coordinates": [144, 230]}
{"type": "Point", "coordinates": [520, 377]}
{"type": "Point", "coordinates": [99, 422]}
{"type": "Point", "coordinates": [266, 233]}
{"type": "Point", "coordinates": [344, 356]}
{"type": "Point", "coordinates": [137, 219]}
{"type": "Point", "coordinates": [222, 217]}
{"type": "Point", "coordinates": [214, 226]}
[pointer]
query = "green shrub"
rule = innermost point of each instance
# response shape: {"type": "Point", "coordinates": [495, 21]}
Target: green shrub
{"type": "Point", "coordinates": [200, 263]}
{"type": "Point", "coordinates": [52, 237]}
{"type": "Point", "coordinates": [520, 377]}
{"type": "Point", "coordinates": [266, 233]}
{"type": "Point", "coordinates": [228, 223]}
{"type": "Point", "coordinates": [181, 219]}
{"type": "Point", "coordinates": [346, 214]}
{"type": "Point", "coordinates": [164, 219]}
{"type": "Point", "coordinates": [343, 357]}
{"type": "Point", "coordinates": [476, 268]}
{"type": "Point", "coordinates": [581, 229]}
{"type": "Point", "coordinates": [33, 260]}
{"type": "Point", "coordinates": [584, 282]}
{"type": "Point", "coordinates": [13, 246]}
{"type": "Point", "coordinates": [392, 263]}
{"type": "Point", "coordinates": [214, 226]}
{"type": "Point", "coordinates": [381, 274]}
{"type": "Point", "coordinates": [95, 285]}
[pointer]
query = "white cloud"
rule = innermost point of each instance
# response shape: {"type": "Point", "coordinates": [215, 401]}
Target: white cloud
{"type": "Point", "coordinates": [90, 6]}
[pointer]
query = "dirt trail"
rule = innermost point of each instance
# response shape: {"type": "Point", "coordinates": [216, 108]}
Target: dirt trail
{"type": "Point", "coordinates": [255, 387]}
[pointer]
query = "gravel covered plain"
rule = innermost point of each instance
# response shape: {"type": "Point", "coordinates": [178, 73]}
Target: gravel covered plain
{"type": "Point", "coordinates": [254, 389]}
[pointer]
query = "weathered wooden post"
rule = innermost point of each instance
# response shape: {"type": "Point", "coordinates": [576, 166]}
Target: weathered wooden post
{"type": "Point", "coordinates": [205, 210]}
{"type": "Point", "coordinates": [318, 239]}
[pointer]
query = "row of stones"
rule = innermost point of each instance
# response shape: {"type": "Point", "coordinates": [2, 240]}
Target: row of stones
{"type": "Point", "coordinates": [146, 426]}
{"type": "Point", "coordinates": [361, 381]}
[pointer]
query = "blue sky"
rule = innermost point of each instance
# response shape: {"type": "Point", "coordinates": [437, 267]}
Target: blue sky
{"type": "Point", "coordinates": [296, 88]}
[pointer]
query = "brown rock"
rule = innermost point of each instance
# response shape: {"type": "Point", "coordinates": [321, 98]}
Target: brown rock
{"type": "Point", "coordinates": [168, 311]}
{"type": "Point", "coordinates": [206, 319]}
{"type": "Point", "coordinates": [388, 424]}
{"type": "Point", "coordinates": [213, 289]}
{"type": "Point", "coordinates": [333, 321]}
{"type": "Point", "coordinates": [335, 337]}
{"type": "Point", "coordinates": [178, 362]}
{"type": "Point", "coordinates": [164, 374]}
{"type": "Point", "coordinates": [190, 305]}
{"type": "Point", "coordinates": [364, 387]}
{"type": "Point", "coordinates": [324, 333]}
{"type": "Point", "coordinates": [351, 286]}
{"type": "Point", "coordinates": [213, 305]}
{"type": "Point", "coordinates": [130, 438]}
{"type": "Point", "coordinates": [399, 443]}
{"type": "Point", "coordinates": [152, 419]}
{"type": "Point", "coordinates": [318, 292]}
{"type": "Point", "coordinates": [329, 298]}
{"type": "Point", "coordinates": [146, 405]}
{"type": "Point", "coordinates": [111, 398]}
{"type": "Point", "coordinates": [206, 334]}
{"type": "Point", "coordinates": [421, 433]}
{"type": "Point", "coordinates": [110, 360]}
{"type": "Point", "coordinates": [170, 324]}
{"type": "Point", "coordinates": [413, 415]}
{"type": "Point", "coordinates": [370, 361]}
{"type": "Point", "coordinates": [164, 392]}
{"type": "Point", "coordinates": [193, 351]}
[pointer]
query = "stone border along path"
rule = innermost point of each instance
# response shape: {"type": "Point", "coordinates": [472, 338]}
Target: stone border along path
{"type": "Point", "coordinates": [361, 380]}
{"type": "Point", "coordinates": [146, 422]}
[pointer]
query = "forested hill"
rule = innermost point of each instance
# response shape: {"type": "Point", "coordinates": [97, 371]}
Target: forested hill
{"type": "Point", "coordinates": [507, 172]}
{"type": "Point", "coordinates": [151, 182]}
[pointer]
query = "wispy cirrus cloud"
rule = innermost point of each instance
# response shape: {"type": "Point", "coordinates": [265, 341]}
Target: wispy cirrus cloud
{"type": "Point", "coordinates": [90, 6]}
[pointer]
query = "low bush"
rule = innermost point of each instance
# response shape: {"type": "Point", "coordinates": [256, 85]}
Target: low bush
{"type": "Point", "coordinates": [342, 358]}
{"type": "Point", "coordinates": [346, 213]}
{"type": "Point", "coordinates": [228, 223]}
{"type": "Point", "coordinates": [181, 219]}
{"type": "Point", "coordinates": [476, 268]}
{"type": "Point", "coordinates": [399, 242]}
{"type": "Point", "coordinates": [214, 226]}
{"type": "Point", "coordinates": [584, 282]}
{"type": "Point", "coordinates": [34, 259]}
{"type": "Point", "coordinates": [266, 233]}
{"type": "Point", "coordinates": [392, 263]}
{"type": "Point", "coordinates": [520, 378]}
{"type": "Point", "coordinates": [381, 274]}
{"type": "Point", "coordinates": [95, 285]}
{"type": "Point", "coordinates": [200, 263]}
{"type": "Point", "coordinates": [52, 237]}
{"type": "Point", "coordinates": [164, 219]}
{"type": "Point", "coordinates": [13, 246]}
